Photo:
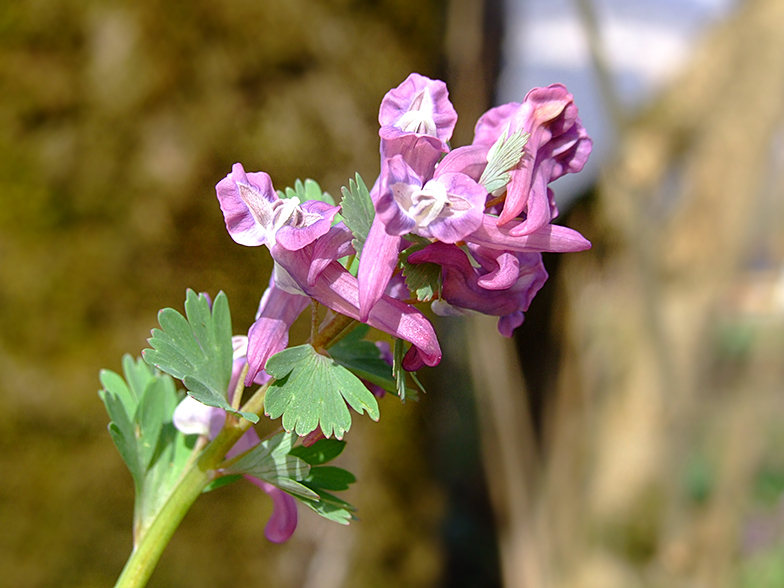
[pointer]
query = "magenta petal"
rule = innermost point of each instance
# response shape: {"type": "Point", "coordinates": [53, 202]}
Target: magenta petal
{"type": "Point", "coordinates": [460, 279]}
{"type": "Point", "coordinates": [337, 289]}
{"type": "Point", "coordinates": [334, 245]}
{"type": "Point", "coordinates": [296, 237]}
{"type": "Point", "coordinates": [503, 266]}
{"type": "Point", "coordinates": [419, 105]}
{"type": "Point", "coordinates": [420, 152]}
{"type": "Point", "coordinates": [270, 333]}
{"type": "Point", "coordinates": [283, 520]}
{"type": "Point", "coordinates": [249, 439]}
{"type": "Point", "coordinates": [466, 199]}
{"type": "Point", "coordinates": [552, 238]}
{"type": "Point", "coordinates": [376, 266]}
{"type": "Point", "coordinates": [470, 160]}
{"type": "Point", "coordinates": [508, 323]}
{"type": "Point", "coordinates": [396, 178]}
{"type": "Point", "coordinates": [493, 122]}
{"type": "Point", "coordinates": [240, 221]}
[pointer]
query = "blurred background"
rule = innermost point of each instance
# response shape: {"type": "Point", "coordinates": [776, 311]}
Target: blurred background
{"type": "Point", "coordinates": [630, 435]}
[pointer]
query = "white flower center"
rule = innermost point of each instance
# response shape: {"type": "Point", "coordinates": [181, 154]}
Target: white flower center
{"type": "Point", "coordinates": [419, 118]}
{"type": "Point", "coordinates": [424, 204]}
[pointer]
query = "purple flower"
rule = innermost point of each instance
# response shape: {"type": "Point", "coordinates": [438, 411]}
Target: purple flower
{"type": "Point", "coordinates": [269, 334]}
{"type": "Point", "coordinates": [503, 285]}
{"type": "Point", "coordinates": [557, 144]}
{"type": "Point", "coordinates": [376, 265]}
{"type": "Point", "coordinates": [191, 417]}
{"type": "Point", "coordinates": [255, 215]}
{"type": "Point", "coordinates": [550, 238]}
{"type": "Point", "coordinates": [447, 207]}
{"type": "Point", "coordinates": [418, 107]}
{"type": "Point", "coordinates": [337, 289]}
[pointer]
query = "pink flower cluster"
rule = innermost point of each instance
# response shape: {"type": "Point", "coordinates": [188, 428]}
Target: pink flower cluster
{"type": "Point", "coordinates": [482, 212]}
{"type": "Point", "coordinates": [486, 236]}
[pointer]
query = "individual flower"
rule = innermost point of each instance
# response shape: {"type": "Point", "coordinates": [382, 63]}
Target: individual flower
{"type": "Point", "coordinates": [256, 215]}
{"type": "Point", "coordinates": [503, 285]}
{"type": "Point", "coordinates": [418, 108]}
{"type": "Point", "coordinates": [334, 287]}
{"type": "Point", "coordinates": [557, 144]}
{"type": "Point", "coordinates": [446, 207]}
{"type": "Point", "coordinates": [269, 334]}
{"type": "Point", "coordinates": [191, 417]}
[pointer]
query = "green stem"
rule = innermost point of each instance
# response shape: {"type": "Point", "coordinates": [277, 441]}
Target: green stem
{"type": "Point", "coordinates": [148, 550]}
{"type": "Point", "coordinates": [150, 546]}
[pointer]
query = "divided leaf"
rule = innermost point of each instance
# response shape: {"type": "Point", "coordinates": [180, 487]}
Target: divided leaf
{"type": "Point", "coordinates": [502, 157]}
{"type": "Point", "coordinates": [364, 360]}
{"type": "Point", "coordinates": [423, 280]}
{"type": "Point", "coordinates": [140, 407]}
{"type": "Point", "coordinates": [270, 461]}
{"type": "Point", "coordinates": [311, 390]}
{"type": "Point", "coordinates": [197, 349]}
{"type": "Point", "coordinates": [358, 211]}
{"type": "Point", "coordinates": [321, 452]}
{"type": "Point", "coordinates": [322, 479]}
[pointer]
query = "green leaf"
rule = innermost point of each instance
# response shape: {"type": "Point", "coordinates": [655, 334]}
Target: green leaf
{"type": "Point", "coordinates": [502, 157]}
{"type": "Point", "coordinates": [358, 211]}
{"type": "Point", "coordinates": [197, 349]}
{"type": "Point", "coordinates": [364, 360]}
{"type": "Point", "coordinates": [322, 451]}
{"type": "Point", "coordinates": [327, 505]}
{"type": "Point", "coordinates": [221, 482]}
{"type": "Point", "coordinates": [309, 190]}
{"type": "Point", "coordinates": [140, 407]}
{"type": "Point", "coordinates": [270, 461]}
{"type": "Point", "coordinates": [422, 279]}
{"type": "Point", "coordinates": [331, 508]}
{"type": "Point", "coordinates": [329, 478]}
{"type": "Point", "coordinates": [398, 354]}
{"type": "Point", "coordinates": [311, 390]}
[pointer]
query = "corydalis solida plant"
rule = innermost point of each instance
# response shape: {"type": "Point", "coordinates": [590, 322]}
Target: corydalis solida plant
{"type": "Point", "coordinates": [462, 229]}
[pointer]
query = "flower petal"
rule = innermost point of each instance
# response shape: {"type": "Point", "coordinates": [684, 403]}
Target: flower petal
{"type": "Point", "coordinates": [283, 520]}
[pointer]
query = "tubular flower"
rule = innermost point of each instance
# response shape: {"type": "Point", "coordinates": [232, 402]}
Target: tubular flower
{"type": "Point", "coordinates": [419, 108]}
{"type": "Point", "coordinates": [447, 207]}
{"type": "Point", "coordinates": [558, 144]}
{"type": "Point", "coordinates": [503, 285]}
{"type": "Point", "coordinates": [255, 215]}
{"type": "Point", "coordinates": [269, 334]}
{"type": "Point", "coordinates": [337, 289]}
